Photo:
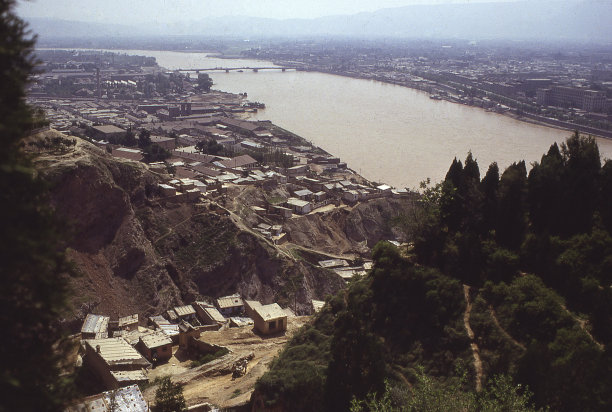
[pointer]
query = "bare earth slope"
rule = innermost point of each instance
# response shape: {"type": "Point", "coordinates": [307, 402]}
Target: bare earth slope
{"type": "Point", "coordinates": [347, 230]}
{"type": "Point", "coordinates": [138, 254]}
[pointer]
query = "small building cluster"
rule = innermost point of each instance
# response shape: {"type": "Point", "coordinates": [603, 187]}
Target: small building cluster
{"type": "Point", "coordinates": [121, 353]}
{"type": "Point", "coordinates": [342, 268]}
{"type": "Point", "coordinates": [126, 399]}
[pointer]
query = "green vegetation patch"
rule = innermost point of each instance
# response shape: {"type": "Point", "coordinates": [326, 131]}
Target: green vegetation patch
{"type": "Point", "coordinates": [209, 357]}
{"type": "Point", "coordinates": [532, 248]}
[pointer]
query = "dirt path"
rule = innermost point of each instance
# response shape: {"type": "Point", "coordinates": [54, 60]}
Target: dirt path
{"type": "Point", "coordinates": [172, 228]}
{"type": "Point", "coordinates": [320, 252]}
{"type": "Point", "coordinates": [583, 326]}
{"type": "Point", "coordinates": [502, 330]}
{"type": "Point", "coordinates": [242, 226]}
{"type": "Point", "coordinates": [213, 381]}
{"type": "Point", "coordinates": [470, 332]}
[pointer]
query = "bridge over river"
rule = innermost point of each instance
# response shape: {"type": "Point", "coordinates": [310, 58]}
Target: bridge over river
{"type": "Point", "coordinates": [228, 69]}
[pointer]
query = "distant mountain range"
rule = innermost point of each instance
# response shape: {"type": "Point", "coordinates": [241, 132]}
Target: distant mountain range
{"type": "Point", "coordinates": [583, 20]}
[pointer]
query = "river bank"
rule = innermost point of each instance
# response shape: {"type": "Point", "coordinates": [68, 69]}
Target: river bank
{"type": "Point", "coordinates": [511, 112]}
{"type": "Point", "coordinates": [391, 134]}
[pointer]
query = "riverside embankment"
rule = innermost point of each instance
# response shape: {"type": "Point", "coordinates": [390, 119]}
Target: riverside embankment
{"type": "Point", "coordinates": [385, 132]}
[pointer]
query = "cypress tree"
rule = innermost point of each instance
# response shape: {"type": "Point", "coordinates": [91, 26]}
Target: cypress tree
{"type": "Point", "coordinates": [471, 172]}
{"type": "Point", "coordinates": [489, 187]}
{"type": "Point", "coordinates": [34, 289]}
{"type": "Point", "coordinates": [582, 168]}
{"type": "Point", "coordinates": [511, 218]}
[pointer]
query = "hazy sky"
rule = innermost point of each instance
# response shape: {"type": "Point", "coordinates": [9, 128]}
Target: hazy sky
{"type": "Point", "coordinates": [168, 11]}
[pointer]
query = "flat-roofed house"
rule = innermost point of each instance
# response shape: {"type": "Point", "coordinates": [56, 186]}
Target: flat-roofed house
{"type": "Point", "coordinates": [168, 143]}
{"type": "Point", "coordinates": [208, 314]}
{"type": "Point", "coordinates": [351, 196]}
{"type": "Point", "coordinates": [269, 319]}
{"type": "Point", "coordinates": [128, 322]}
{"type": "Point", "coordinates": [242, 126]}
{"type": "Point", "coordinates": [115, 362]}
{"type": "Point", "coordinates": [161, 323]}
{"type": "Point", "coordinates": [128, 399]}
{"type": "Point", "coordinates": [155, 346]}
{"type": "Point", "coordinates": [230, 305]}
{"type": "Point", "coordinates": [333, 263]}
{"type": "Point", "coordinates": [244, 161]}
{"type": "Point", "coordinates": [303, 194]}
{"type": "Point", "coordinates": [249, 307]}
{"type": "Point", "coordinates": [285, 212]}
{"type": "Point", "coordinates": [186, 312]}
{"type": "Point", "coordinates": [320, 196]}
{"type": "Point", "coordinates": [95, 327]}
{"type": "Point", "coordinates": [297, 170]}
{"type": "Point", "coordinates": [172, 316]}
{"type": "Point", "coordinates": [108, 132]}
{"type": "Point", "coordinates": [166, 190]}
{"type": "Point", "coordinates": [131, 336]}
{"type": "Point", "coordinates": [127, 153]}
{"type": "Point", "coordinates": [300, 207]}
{"type": "Point", "coordinates": [186, 333]}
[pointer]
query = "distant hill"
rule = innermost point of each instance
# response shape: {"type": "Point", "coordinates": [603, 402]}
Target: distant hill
{"type": "Point", "coordinates": [48, 28]}
{"type": "Point", "coordinates": [584, 20]}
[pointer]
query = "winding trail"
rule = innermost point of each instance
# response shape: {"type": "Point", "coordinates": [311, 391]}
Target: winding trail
{"type": "Point", "coordinates": [470, 332]}
{"type": "Point", "coordinates": [502, 330]}
{"type": "Point", "coordinates": [583, 325]}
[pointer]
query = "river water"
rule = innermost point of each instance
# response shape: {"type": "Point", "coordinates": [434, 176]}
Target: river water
{"type": "Point", "coordinates": [385, 132]}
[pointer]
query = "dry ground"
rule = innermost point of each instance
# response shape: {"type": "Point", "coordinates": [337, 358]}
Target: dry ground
{"type": "Point", "coordinates": [213, 382]}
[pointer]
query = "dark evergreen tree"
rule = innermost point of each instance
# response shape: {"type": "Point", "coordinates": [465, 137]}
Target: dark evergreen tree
{"type": "Point", "coordinates": [33, 290]}
{"type": "Point", "coordinates": [204, 82]}
{"type": "Point", "coordinates": [605, 195]}
{"type": "Point", "coordinates": [489, 187]}
{"type": "Point", "coordinates": [144, 138]}
{"type": "Point", "coordinates": [545, 192]}
{"type": "Point", "coordinates": [169, 397]}
{"type": "Point", "coordinates": [511, 218]}
{"type": "Point", "coordinates": [471, 172]}
{"type": "Point", "coordinates": [455, 173]}
{"type": "Point", "coordinates": [580, 182]}
{"type": "Point", "coordinates": [129, 139]}
{"type": "Point", "coordinates": [452, 205]}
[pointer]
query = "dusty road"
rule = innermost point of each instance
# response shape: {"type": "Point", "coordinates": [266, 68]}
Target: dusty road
{"type": "Point", "coordinates": [213, 382]}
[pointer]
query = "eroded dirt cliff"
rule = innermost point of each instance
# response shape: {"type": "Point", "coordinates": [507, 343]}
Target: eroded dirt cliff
{"type": "Point", "coordinates": [139, 254]}
{"type": "Point", "coordinates": [348, 230]}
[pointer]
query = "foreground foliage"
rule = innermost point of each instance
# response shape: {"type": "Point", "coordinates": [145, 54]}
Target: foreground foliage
{"type": "Point", "coordinates": [34, 290]}
{"type": "Point", "coordinates": [427, 395]}
{"type": "Point", "coordinates": [535, 251]}
{"type": "Point", "coordinates": [169, 396]}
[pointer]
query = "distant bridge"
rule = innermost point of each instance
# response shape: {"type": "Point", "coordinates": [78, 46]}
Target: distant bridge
{"type": "Point", "coordinates": [229, 69]}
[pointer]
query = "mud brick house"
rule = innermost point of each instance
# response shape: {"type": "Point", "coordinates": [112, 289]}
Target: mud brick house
{"type": "Point", "coordinates": [156, 346]}
{"type": "Point", "coordinates": [230, 305]}
{"type": "Point", "coordinates": [95, 327]}
{"type": "Point", "coordinates": [208, 314]}
{"type": "Point", "coordinates": [128, 322]}
{"type": "Point", "coordinates": [115, 362]}
{"type": "Point", "coordinates": [270, 319]}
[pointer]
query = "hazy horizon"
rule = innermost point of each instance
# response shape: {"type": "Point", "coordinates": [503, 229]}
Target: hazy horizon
{"type": "Point", "coordinates": [163, 11]}
{"type": "Point", "coordinates": [539, 20]}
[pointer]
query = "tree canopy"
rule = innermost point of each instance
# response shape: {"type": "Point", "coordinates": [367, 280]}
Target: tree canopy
{"type": "Point", "coordinates": [204, 82]}
{"type": "Point", "coordinates": [528, 254]}
{"type": "Point", "coordinates": [34, 288]}
{"type": "Point", "coordinates": [169, 396]}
